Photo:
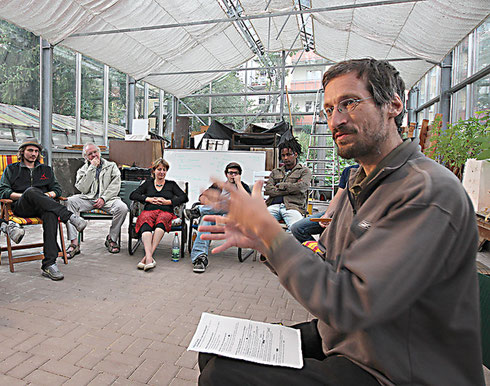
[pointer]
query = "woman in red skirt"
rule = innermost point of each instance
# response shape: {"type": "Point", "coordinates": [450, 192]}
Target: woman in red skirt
{"type": "Point", "coordinates": [160, 196]}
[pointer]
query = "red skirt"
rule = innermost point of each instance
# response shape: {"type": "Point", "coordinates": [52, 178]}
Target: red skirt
{"type": "Point", "coordinates": [154, 217]}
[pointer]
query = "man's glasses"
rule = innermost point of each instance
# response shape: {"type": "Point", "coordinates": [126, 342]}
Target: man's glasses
{"type": "Point", "coordinates": [345, 106]}
{"type": "Point", "coordinates": [233, 173]}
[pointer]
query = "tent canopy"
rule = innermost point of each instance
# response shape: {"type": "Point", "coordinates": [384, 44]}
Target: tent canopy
{"type": "Point", "coordinates": [422, 30]}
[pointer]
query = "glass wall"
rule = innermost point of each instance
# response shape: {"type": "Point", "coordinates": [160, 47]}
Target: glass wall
{"type": "Point", "coordinates": [139, 100]}
{"type": "Point", "coordinates": [19, 66]}
{"type": "Point", "coordinates": [117, 97]}
{"type": "Point", "coordinates": [468, 58]}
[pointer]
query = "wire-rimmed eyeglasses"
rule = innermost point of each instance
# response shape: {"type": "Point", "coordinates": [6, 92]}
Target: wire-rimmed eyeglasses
{"type": "Point", "coordinates": [345, 106]}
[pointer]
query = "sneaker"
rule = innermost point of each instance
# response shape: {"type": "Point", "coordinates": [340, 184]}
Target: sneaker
{"type": "Point", "coordinates": [79, 223]}
{"type": "Point", "coordinates": [15, 232]}
{"type": "Point", "coordinates": [52, 272]}
{"type": "Point", "coordinates": [192, 213]}
{"type": "Point", "coordinates": [200, 264]}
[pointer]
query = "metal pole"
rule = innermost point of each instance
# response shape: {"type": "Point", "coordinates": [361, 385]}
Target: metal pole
{"type": "Point", "coordinates": [106, 105]}
{"type": "Point", "coordinates": [210, 103]}
{"type": "Point", "coordinates": [445, 103]}
{"type": "Point", "coordinates": [130, 103]}
{"type": "Point", "coordinates": [46, 97]}
{"type": "Point", "coordinates": [146, 101]}
{"type": "Point", "coordinates": [174, 113]}
{"type": "Point", "coordinates": [245, 89]}
{"type": "Point", "coordinates": [283, 80]}
{"type": "Point", "coordinates": [78, 96]}
{"type": "Point", "coordinates": [161, 99]}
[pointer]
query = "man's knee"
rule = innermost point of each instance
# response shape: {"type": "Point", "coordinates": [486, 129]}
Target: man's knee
{"type": "Point", "coordinates": [119, 208]}
{"type": "Point", "coordinates": [32, 192]}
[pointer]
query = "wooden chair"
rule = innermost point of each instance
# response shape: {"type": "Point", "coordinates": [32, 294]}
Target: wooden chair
{"type": "Point", "coordinates": [7, 214]}
{"type": "Point", "coordinates": [178, 224]}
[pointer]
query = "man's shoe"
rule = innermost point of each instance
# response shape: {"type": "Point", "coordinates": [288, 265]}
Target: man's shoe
{"type": "Point", "coordinates": [79, 223]}
{"type": "Point", "coordinates": [52, 272]}
{"type": "Point", "coordinates": [15, 232]}
{"type": "Point", "coordinates": [192, 213]}
{"type": "Point", "coordinates": [200, 264]}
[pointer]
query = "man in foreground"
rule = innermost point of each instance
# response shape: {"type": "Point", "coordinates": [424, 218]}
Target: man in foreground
{"type": "Point", "coordinates": [99, 182]}
{"type": "Point", "coordinates": [287, 187]}
{"type": "Point", "coordinates": [397, 295]}
{"type": "Point", "coordinates": [33, 187]}
{"type": "Point", "coordinates": [199, 253]}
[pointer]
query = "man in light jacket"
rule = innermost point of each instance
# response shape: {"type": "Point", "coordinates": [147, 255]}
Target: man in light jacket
{"type": "Point", "coordinates": [99, 182]}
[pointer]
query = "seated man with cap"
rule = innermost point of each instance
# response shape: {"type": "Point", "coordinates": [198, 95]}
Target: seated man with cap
{"type": "Point", "coordinates": [199, 253]}
{"type": "Point", "coordinates": [33, 188]}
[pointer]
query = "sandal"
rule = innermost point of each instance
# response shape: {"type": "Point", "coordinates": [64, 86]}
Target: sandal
{"type": "Point", "coordinates": [111, 246]}
{"type": "Point", "coordinates": [75, 250]}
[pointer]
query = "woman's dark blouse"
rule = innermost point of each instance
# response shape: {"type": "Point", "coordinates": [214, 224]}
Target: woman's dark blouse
{"type": "Point", "coordinates": [170, 191]}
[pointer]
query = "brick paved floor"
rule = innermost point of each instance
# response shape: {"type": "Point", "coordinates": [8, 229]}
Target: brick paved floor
{"type": "Point", "coordinates": [108, 323]}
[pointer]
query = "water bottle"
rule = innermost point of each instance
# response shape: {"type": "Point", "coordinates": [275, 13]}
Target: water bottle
{"type": "Point", "coordinates": [176, 248]}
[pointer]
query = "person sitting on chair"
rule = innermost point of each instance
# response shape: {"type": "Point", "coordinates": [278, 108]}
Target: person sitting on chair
{"type": "Point", "coordinates": [287, 186]}
{"type": "Point", "coordinates": [199, 253]}
{"type": "Point", "coordinates": [304, 229]}
{"type": "Point", "coordinates": [160, 196]}
{"type": "Point", "coordinates": [33, 187]}
{"type": "Point", "coordinates": [99, 182]}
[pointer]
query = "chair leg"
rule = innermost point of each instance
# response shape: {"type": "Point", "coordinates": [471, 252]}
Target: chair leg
{"type": "Point", "coordinates": [62, 241]}
{"type": "Point", "coordinates": [9, 252]}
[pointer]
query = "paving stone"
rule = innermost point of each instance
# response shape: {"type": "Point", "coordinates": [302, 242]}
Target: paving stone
{"type": "Point", "coordinates": [10, 381]}
{"type": "Point", "coordinates": [188, 374]}
{"type": "Point", "coordinates": [40, 377]}
{"type": "Point", "coordinates": [61, 367]}
{"type": "Point", "coordinates": [146, 370]}
{"type": "Point", "coordinates": [103, 379]}
{"type": "Point", "coordinates": [27, 366]}
{"type": "Point", "coordinates": [164, 375]}
{"type": "Point", "coordinates": [12, 361]}
{"type": "Point", "coordinates": [81, 377]}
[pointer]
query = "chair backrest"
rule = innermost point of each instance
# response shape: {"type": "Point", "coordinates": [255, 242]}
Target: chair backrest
{"type": "Point", "coordinates": [6, 160]}
{"type": "Point", "coordinates": [179, 209]}
{"type": "Point", "coordinates": [127, 187]}
{"type": "Point", "coordinates": [484, 282]}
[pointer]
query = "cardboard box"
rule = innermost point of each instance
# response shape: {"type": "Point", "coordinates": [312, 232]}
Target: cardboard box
{"type": "Point", "coordinates": [136, 153]}
{"type": "Point", "coordinates": [476, 181]}
{"type": "Point", "coordinates": [271, 157]}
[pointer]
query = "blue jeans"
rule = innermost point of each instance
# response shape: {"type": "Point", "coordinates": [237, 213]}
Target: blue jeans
{"type": "Point", "coordinates": [201, 247]}
{"type": "Point", "coordinates": [280, 212]}
{"type": "Point", "coordinates": [304, 229]}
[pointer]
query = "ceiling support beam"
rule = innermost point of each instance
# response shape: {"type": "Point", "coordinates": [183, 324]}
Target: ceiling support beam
{"type": "Point", "coordinates": [243, 18]}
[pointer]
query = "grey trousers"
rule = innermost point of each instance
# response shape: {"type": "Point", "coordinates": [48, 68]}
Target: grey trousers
{"type": "Point", "coordinates": [118, 209]}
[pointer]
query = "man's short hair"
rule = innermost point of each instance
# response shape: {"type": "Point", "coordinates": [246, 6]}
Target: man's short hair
{"type": "Point", "coordinates": [383, 80]}
{"type": "Point", "coordinates": [84, 151]}
{"type": "Point", "coordinates": [233, 165]}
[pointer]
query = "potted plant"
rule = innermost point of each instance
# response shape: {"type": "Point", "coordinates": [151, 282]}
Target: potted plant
{"type": "Point", "coordinates": [462, 140]}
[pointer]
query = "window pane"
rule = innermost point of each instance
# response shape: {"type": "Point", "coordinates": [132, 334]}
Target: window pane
{"type": "Point", "coordinates": [459, 105]}
{"type": "Point", "coordinates": [92, 89]}
{"type": "Point", "coordinates": [423, 91]}
{"type": "Point", "coordinates": [19, 66]}
{"type": "Point", "coordinates": [481, 96]}
{"type": "Point", "coordinates": [153, 108]}
{"type": "Point", "coordinates": [482, 51]}
{"type": "Point", "coordinates": [434, 76]}
{"type": "Point", "coordinates": [460, 65]}
{"type": "Point", "coordinates": [139, 100]}
{"type": "Point", "coordinates": [117, 97]}
{"type": "Point", "coordinates": [64, 68]}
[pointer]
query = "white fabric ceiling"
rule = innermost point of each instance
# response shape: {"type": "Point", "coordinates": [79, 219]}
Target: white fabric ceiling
{"type": "Point", "coordinates": [427, 29]}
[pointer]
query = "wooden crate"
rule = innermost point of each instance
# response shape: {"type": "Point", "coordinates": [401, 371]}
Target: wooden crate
{"type": "Point", "coordinates": [135, 153]}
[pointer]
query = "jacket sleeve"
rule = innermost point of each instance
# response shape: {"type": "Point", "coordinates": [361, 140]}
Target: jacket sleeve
{"type": "Point", "coordinates": [270, 188]}
{"type": "Point", "coordinates": [114, 187]}
{"type": "Point", "coordinates": [5, 186]}
{"type": "Point", "coordinates": [140, 193]}
{"type": "Point", "coordinates": [380, 274]}
{"type": "Point", "coordinates": [54, 185]}
{"type": "Point", "coordinates": [179, 195]}
{"type": "Point", "coordinates": [299, 186]}
{"type": "Point", "coordinates": [85, 178]}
